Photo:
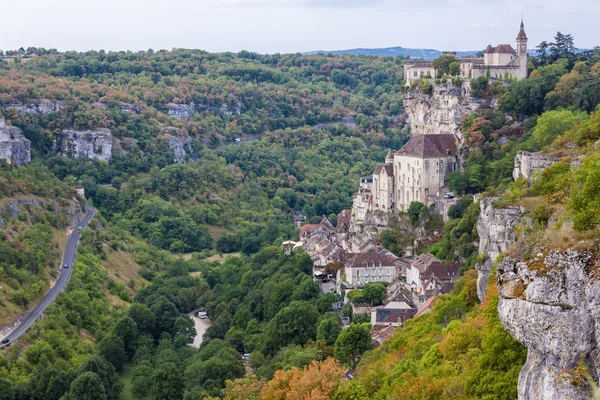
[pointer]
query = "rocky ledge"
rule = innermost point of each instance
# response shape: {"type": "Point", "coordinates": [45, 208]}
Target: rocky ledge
{"type": "Point", "coordinates": [14, 147]}
{"type": "Point", "coordinates": [85, 144]}
{"type": "Point", "coordinates": [551, 304]}
{"type": "Point", "coordinates": [38, 108]}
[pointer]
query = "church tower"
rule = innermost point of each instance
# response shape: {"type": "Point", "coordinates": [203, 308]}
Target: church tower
{"type": "Point", "coordinates": [522, 52]}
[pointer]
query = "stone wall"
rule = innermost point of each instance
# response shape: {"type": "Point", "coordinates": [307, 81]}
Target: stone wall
{"type": "Point", "coordinates": [14, 147]}
{"type": "Point", "coordinates": [85, 144]}
{"type": "Point", "coordinates": [495, 227]}
{"type": "Point", "coordinates": [441, 111]}
{"type": "Point", "coordinates": [551, 304]}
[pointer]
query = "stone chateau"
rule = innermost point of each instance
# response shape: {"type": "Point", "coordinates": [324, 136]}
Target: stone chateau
{"type": "Point", "coordinates": [416, 172]}
{"type": "Point", "coordinates": [502, 61]}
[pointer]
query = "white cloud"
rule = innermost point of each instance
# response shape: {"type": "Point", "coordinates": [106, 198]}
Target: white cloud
{"type": "Point", "coordinates": [475, 25]}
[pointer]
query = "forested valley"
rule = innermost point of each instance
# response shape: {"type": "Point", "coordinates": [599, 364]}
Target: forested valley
{"type": "Point", "coordinates": [270, 136]}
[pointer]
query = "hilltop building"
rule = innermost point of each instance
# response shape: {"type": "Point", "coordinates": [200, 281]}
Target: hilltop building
{"type": "Point", "coordinates": [502, 62]}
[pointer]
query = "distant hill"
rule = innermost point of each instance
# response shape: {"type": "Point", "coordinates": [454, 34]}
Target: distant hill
{"type": "Point", "coordinates": [428, 54]}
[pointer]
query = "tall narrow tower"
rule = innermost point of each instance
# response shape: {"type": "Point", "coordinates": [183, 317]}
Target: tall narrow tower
{"type": "Point", "coordinates": [522, 52]}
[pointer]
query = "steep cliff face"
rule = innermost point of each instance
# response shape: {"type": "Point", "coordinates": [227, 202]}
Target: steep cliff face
{"type": "Point", "coordinates": [39, 108]}
{"type": "Point", "coordinates": [495, 227]}
{"type": "Point", "coordinates": [439, 112]}
{"type": "Point", "coordinates": [180, 111]}
{"type": "Point", "coordinates": [81, 144]}
{"type": "Point", "coordinates": [551, 304]}
{"type": "Point", "coordinates": [178, 145]}
{"type": "Point", "coordinates": [14, 147]}
{"type": "Point", "coordinates": [526, 164]}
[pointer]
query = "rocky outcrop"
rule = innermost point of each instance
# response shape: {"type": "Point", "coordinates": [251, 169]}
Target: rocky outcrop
{"type": "Point", "coordinates": [38, 108]}
{"type": "Point", "coordinates": [180, 111]}
{"type": "Point", "coordinates": [551, 304]}
{"type": "Point", "coordinates": [440, 111]}
{"type": "Point", "coordinates": [85, 144]}
{"type": "Point", "coordinates": [495, 228]}
{"type": "Point", "coordinates": [14, 147]}
{"type": "Point", "coordinates": [527, 164]}
{"type": "Point", "coordinates": [178, 146]}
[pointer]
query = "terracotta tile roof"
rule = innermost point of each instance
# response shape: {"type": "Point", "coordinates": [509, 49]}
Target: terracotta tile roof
{"type": "Point", "coordinates": [500, 49]}
{"type": "Point", "coordinates": [429, 146]}
{"type": "Point", "coordinates": [308, 229]}
{"type": "Point", "coordinates": [381, 333]}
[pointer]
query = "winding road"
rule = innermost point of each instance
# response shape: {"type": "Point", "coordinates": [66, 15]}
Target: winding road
{"type": "Point", "coordinates": [65, 274]}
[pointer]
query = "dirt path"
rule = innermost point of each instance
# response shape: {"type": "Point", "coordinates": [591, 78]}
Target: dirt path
{"type": "Point", "coordinates": [201, 326]}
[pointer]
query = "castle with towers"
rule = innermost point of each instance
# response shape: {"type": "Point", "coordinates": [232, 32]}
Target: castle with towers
{"type": "Point", "coordinates": [420, 170]}
{"type": "Point", "coordinates": [502, 62]}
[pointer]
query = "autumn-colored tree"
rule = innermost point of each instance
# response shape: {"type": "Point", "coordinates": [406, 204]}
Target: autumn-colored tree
{"type": "Point", "coordinates": [246, 388]}
{"type": "Point", "coordinates": [318, 381]}
{"type": "Point", "coordinates": [479, 131]}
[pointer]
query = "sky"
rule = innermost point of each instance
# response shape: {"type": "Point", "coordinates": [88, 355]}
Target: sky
{"type": "Point", "coordinates": [289, 26]}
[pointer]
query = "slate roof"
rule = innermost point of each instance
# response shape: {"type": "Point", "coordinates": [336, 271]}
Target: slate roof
{"type": "Point", "coordinates": [444, 272]}
{"type": "Point", "coordinates": [429, 146]}
{"type": "Point", "coordinates": [500, 49]}
{"type": "Point", "coordinates": [360, 260]}
{"type": "Point", "coordinates": [423, 262]}
{"type": "Point", "coordinates": [522, 35]}
{"type": "Point", "coordinates": [389, 169]}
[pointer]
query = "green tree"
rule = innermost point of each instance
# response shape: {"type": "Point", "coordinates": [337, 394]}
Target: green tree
{"type": "Point", "coordinates": [414, 211]}
{"type": "Point", "coordinates": [352, 343]}
{"type": "Point", "coordinates": [112, 349]}
{"type": "Point", "coordinates": [553, 124]}
{"type": "Point", "coordinates": [442, 64]}
{"type": "Point", "coordinates": [329, 329]}
{"type": "Point", "coordinates": [87, 386]}
{"type": "Point", "coordinates": [294, 324]}
{"type": "Point", "coordinates": [454, 68]}
{"type": "Point", "coordinates": [7, 391]}
{"type": "Point", "coordinates": [374, 293]}
{"type": "Point", "coordinates": [167, 382]}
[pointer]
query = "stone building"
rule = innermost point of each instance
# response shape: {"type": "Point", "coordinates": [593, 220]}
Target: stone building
{"type": "Point", "coordinates": [422, 167]}
{"type": "Point", "coordinates": [502, 62]}
{"type": "Point", "coordinates": [372, 266]}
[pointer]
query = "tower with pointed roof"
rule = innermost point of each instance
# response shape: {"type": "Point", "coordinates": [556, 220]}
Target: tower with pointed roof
{"type": "Point", "coordinates": [389, 158]}
{"type": "Point", "coordinates": [522, 51]}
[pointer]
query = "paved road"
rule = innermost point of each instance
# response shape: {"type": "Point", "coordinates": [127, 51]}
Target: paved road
{"type": "Point", "coordinates": [65, 275]}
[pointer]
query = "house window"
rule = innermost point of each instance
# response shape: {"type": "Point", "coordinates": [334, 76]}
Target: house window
{"type": "Point", "coordinates": [415, 74]}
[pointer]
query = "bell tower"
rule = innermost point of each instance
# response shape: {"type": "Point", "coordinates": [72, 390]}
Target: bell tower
{"type": "Point", "coordinates": [522, 52]}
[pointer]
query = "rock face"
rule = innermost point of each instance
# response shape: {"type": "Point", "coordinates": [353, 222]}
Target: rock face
{"type": "Point", "coordinates": [551, 304]}
{"type": "Point", "coordinates": [178, 145]}
{"type": "Point", "coordinates": [441, 111]}
{"type": "Point", "coordinates": [180, 111]}
{"type": "Point", "coordinates": [42, 107]}
{"type": "Point", "coordinates": [526, 164]}
{"type": "Point", "coordinates": [495, 227]}
{"type": "Point", "coordinates": [14, 147]}
{"type": "Point", "coordinates": [85, 144]}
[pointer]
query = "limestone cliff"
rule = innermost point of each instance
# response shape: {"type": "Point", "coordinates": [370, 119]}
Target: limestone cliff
{"type": "Point", "coordinates": [38, 108]}
{"type": "Point", "coordinates": [526, 164]}
{"type": "Point", "coordinates": [495, 228]}
{"type": "Point", "coordinates": [551, 304]}
{"type": "Point", "coordinates": [14, 147]}
{"type": "Point", "coordinates": [85, 144]}
{"type": "Point", "coordinates": [178, 142]}
{"type": "Point", "coordinates": [440, 111]}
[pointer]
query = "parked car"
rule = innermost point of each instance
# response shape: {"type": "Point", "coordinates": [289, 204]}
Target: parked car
{"type": "Point", "coordinates": [449, 195]}
{"type": "Point", "coordinates": [237, 140]}
{"type": "Point", "coordinates": [346, 320]}
{"type": "Point", "coordinates": [246, 356]}
{"type": "Point", "coordinates": [202, 315]}
{"type": "Point", "coordinates": [79, 228]}
{"type": "Point", "coordinates": [340, 305]}
{"type": "Point", "coordinates": [66, 266]}
{"type": "Point", "coordinates": [4, 341]}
